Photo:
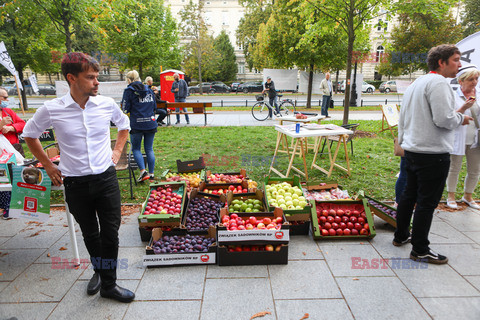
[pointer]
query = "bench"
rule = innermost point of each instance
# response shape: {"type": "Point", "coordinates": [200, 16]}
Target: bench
{"type": "Point", "coordinates": [197, 108]}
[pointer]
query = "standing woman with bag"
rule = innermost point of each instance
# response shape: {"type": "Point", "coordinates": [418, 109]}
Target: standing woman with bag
{"type": "Point", "coordinates": [466, 139]}
{"type": "Point", "coordinates": [139, 101]}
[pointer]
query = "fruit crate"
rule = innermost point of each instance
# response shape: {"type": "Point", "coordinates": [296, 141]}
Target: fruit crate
{"type": "Point", "coordinates": [152, 259]}
{"type": "Point", "coordinates": [163, 219]}
{"type": "Point", "coordinates": [254, 236]}
{"type": "Point", "coordinates": [242, 173]}
{"type": "Point", "coordinates": [300, 222]}
{"type": "Point", "coordinates": [191, 165]}
{"type": "Point", "coordinates": [206, 188]}
{"type": "Point", "coordinates": [382, 214]}
{"type": "Point", "coordinates": [325, 191]}
{"type": "Point", "coordinates": [294, 182]}
{"type": "Point", "coordinates": [238, 258]}
{"type": "Point", "coordinates": [359, 205]}
{"type": "Point", "coordinates": [221, 199]}
{"type": "Point", "coordinates": [146, 232]}
{"type": "Point", "coordinates": [257, 195]}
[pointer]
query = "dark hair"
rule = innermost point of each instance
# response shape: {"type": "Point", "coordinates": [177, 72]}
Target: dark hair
{"type": "Point", "coordinates": [442, 52]}
{"type": "Point", "coordinates": [76, 62]}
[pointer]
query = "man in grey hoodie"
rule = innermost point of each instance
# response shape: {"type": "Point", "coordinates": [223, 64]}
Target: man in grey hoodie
{"type": "Point", "coordinates": [180, 91]}
{"type": "Point", "coordinates": [426, 133]}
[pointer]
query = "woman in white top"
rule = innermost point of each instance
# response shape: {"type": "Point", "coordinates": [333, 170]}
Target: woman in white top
{"type": "Point", "coordinates": [466, 140]}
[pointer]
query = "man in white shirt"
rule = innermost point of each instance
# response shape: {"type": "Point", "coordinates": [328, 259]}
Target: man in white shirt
{"type": "Point", "coordinates": [81, 121]}
{"type": "Point", "coordinates": [426, 126]}
{"type": "Point", "coordinates": [326, 91]}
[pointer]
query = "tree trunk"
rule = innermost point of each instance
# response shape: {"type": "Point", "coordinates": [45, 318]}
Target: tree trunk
{"type": "Point", "coordinates": [336, 81]}
{"type": "Point", "coordinates": [199, 54]}
{"type": "Point", "coordinates": [310, 85]}
{"type": "Point", "coordinates": [68, 36]}
{"type": "Point", "coordinates": [351, 40]}
{"type": "Point", "coordinates": [22, 92]}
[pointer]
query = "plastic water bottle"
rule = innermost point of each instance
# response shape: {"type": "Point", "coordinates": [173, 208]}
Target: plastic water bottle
{"type": "Point", "coordinates": [297, 128]}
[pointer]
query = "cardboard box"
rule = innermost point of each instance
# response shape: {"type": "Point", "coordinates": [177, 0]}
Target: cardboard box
{"type": "Point", "coordinates": [242, 172]}
{"type": "Point", "coordinates": [360, 205]}
{"type": "Point", "coordinates": [226, 258]}
{"type": "Point", "coordinates": [146, 232]}
{"type": "Point", "coordinates": [155, 220]}
{"type": "Point", "coordinates": [300, 223]}
{"type": "Point", "coordinates": [379, 213]}
{"type": "Point", "coordinates": [171, 259]}
{"type": "Point", "coordinates": [295, 181]}
{"type": "Point", "coordinates": [195, 194]}
{"type": "Point", "coordinates": [190, 165]}
{"type": "Point", "coordinates": [245, 237]}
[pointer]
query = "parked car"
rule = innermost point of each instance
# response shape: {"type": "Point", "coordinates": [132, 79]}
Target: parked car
{"type": "Point", "coordinates": [218, 86]}
{"type": "Point", "coordinates": [234, 86]}
{"type": "Point", "coordinates": [251, 86]}
{"type": "Point", "coordinates": [388, 86]}
{"type": "Point", "coordinates": [46, 89]}
{"type": "Point", "coordinates": [196, 89]}
{"type": "Point", "coordinates": [368, 88]}
{"type": "Point", "coordinates": [12, 91]}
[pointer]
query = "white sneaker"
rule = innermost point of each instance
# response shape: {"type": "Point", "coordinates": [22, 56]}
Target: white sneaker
{"type": "Point", "coordinates": [452, 204]}
{"type": "Point", "coordinates": [472, 204]}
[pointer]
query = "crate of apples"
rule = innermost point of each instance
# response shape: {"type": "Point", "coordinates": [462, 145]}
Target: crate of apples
{"type": "Point", "coordinates": [226, 178]}
{"type": "Point", "coordinates": [192, 179]}
{"type": "Point", "coordinates": [349, 220]}
{"type": "Point", "coordinates": [234, 222]}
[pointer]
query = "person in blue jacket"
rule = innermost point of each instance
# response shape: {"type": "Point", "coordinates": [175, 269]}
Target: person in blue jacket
{"type": "Point", "coordinates": [139, 101]}
{"type": "Point", "coordinates": [180, 91]}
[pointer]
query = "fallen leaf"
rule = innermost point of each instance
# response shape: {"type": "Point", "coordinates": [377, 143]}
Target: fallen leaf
{"type": "Point", "coordinates": [1, 274]}
{"type": "Point", "coordinates": [368, 156]}
{"type": "Point", "coordinates": [260, 314]}
{"type": "Point", "coordinates": [65, 225]}
{"type": "Point", "coordinates": [305, 316]}
{"type": "Point", "coordinates": [304, 253]}
{"type": "Point", "coordinates": [355, 279]}
{"type": "Point", "coordinates": [62, 248]}
{"type": "Point", "coordinates": [44, 279]}
{"type": "Point", "coordinates": [48, 254]}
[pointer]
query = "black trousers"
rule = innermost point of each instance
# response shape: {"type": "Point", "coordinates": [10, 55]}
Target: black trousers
{"type": "Point", "coordinates": [95, 203]}
{"type": "Point", "coordinates": [426, 176]}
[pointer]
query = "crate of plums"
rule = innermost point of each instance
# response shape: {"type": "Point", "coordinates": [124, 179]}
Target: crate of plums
{"type": "Point", "coordinates": [163, 208]}
{"type": "Point", "coordinates": [202, 212]}
{"type": "Point", "coordinates": [286, 193]}
{"type": "Point", "coordinates": [383, 211]}
{"type": "Point", "coordinates": [180, 248]}
{"type": "Point", "coordinates": [236, 255]}
{"type": "Point", "coordinates": [342, 219]}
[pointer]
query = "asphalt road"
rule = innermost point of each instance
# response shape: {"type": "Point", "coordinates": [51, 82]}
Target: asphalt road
{"type": "Point", "coordinates": [233, 99]}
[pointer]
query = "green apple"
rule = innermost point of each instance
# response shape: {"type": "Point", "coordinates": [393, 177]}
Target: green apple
{"type": "Point", "coordinates": [283, 206]}
{"type": "Point", "coordinates": [279, 197]}
{"type": "Point", "coordinates": [298, 192]}
{"type": "Point", "coordinates": [302, 203]}
{"type": "Point", "coordinates": [301, 198]}
{"type": "Point", "coordinates": [289, 203]}
{"type": "Point", "coordinates": [281, 192]}
{"type": "Point", "coordinates": [288, 198]}
{"type": "Point", "coordinates": [280, 201]}
{"type": "Point", "coordinates": [294, 196]}
{"type": "Point", "coordinates": [288, 194]}
{"type": "Point", "coordinates": [298, 208]}
{"type": "Point", "coordinates": [295, 202]}
{"type": "Point", "coordinates": [291, 207]}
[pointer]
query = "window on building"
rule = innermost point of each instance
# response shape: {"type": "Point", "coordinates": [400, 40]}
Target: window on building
{"type": "Point", "coordinates": [380, 52]}
{"type": "Point", "coordinates": [241, 68]}
{"type": "Point", "coordinates": [379, 25]}
{"type": "Point", "coordinates": [240, 46]}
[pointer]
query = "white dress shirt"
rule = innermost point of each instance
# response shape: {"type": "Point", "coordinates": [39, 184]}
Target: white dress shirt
{"type": "Point", "coordinates": [83, 135]}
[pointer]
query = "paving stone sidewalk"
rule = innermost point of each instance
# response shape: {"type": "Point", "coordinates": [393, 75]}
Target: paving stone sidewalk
{"type": "Point", "coordinates": [324, 279]}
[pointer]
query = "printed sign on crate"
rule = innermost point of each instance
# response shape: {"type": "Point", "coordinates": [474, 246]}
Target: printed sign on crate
{"type": "Point", "coordinates": [30, 194]}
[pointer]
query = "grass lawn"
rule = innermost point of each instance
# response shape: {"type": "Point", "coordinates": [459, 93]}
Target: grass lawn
{"type": "Point", "coordinates": [373, 165]}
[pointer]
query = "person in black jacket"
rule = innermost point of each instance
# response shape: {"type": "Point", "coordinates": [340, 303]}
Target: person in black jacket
{"type": "Point", "coordinates": [272, 95]}
{"type": "Point", "coordinates": [180, 90]}
{"type": "Point", "coordinates": [162, 112]}
{"type": "Point", "coordinates": [139, 101]}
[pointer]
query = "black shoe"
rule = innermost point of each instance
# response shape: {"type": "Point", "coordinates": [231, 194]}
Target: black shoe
{"type": "Point", "coordinates": [398, 243]}
{"type": "Point", "coordinates": [144, 176]}
{"type": "Point", "coordinates": [429, 257]}
{"type": "Point", "coordinates": [177, 122]}
{"type": "Point", "coordinates": [118, 293]}
{"type": "Point", "coordinates": [94, 284]}
{"type": "Point", "coordinates": [188, 122]}
{"type": "Point", "coordinates": [161, 122]}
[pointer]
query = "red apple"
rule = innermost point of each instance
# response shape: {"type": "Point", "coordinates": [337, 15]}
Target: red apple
{"type": "Point", "coordinates": [342, 225]}
{"type": "Point", "coordinates": [339, 232]}
{"type": "Point", "coordinates": [354, 232]}
{"type": "Point", "coordinates": [358, 226]}
{"type": "Point", "coordinates": [348, 213]}
{"type": "Point", "coordinates": [346, 232]}
{"type": "Point", "coordinates": [325, 213]}
{"type": "Point", "coordinates": [267, 221]}
{"type": "Point", "coordinates": [330, 219]}
{"type": "Point", "coordinates": [345, 219]}
{"type": "Point", "coordinates": [324, 232]}
{"type": "Point", "coordinates": [335, 225]}
{"type": "Point", "coordinates": [338, 219]}
{"type": "Point", "coordinates": [366, 226]}
{"type": "Point", "coordinates": [332, 212]}
{"type": "Point", "coordinates": [327, 225]}
{"type": "Point", "coordinates": [353, 219]}
{"type": "Point", "coordinates": [253, 220]}
{"type": "Point", "coordinates": [356, 213]}
{"type": "Point", "coordinates": [322, 219]}
{"type": "Point", "coordinates": [361, 220]}
{"type": "Point", "coordinates": [364, 232]}
{"type": "Point", "coordinates": [350, 225]}
{"type": "Point", "coordinates": [332, 232]}
{"type": "Point", "coordinates": [340, 212]}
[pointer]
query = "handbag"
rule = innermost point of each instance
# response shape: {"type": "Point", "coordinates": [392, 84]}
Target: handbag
{"type": "Point", "coordinates": [331, 103]}
{"type": "Point", "coordinates": [397, 149]}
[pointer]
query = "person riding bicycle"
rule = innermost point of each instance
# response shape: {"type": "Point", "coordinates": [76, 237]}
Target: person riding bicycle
{"type": "Point", "coordinates": [272, 95]}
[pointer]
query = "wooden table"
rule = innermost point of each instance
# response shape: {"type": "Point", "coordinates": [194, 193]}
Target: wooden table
{"type": "Point", "coordinates": [295, 120]}
{"type": "Point", "coordinates": [299, 140]}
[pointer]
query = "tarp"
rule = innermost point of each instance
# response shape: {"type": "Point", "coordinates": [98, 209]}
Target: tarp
{"type": "Point", "coordinates": [112, 89]}
{"type": "Point", "coordinates": [303, 86]}
{"type": "Point", "coordinates": [283, 79]}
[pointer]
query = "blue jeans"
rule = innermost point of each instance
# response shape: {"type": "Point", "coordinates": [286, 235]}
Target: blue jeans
{"type": "Point", "coordinates": [147, 145]}
{"type": "Point", "coordinates": [162, 113]}
{"type": "Point", "coordinates": [426, 176]}
{"type": "Point", "coordinates": [184, 110]}
{"type": "Point", "coordinates": [402, 180]}
{"type": "Point", "coordinates": [273, 103]}
{"type": "Point", "coordinates": [95, 203]}
{"type": "Point", "coordinates": [325, 105]}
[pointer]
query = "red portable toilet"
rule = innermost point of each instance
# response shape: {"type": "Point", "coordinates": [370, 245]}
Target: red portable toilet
{"type": "Point", "coordinates": [166, 80]}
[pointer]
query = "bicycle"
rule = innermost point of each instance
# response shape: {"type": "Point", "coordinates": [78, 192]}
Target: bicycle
{"type": "Point", "coordinates": [260, 110]}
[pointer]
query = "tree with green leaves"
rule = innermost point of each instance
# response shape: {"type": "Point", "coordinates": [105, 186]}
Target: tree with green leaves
{"type": "Point", "coordinates": [256, 13]}
{"type": "Point", "coordinates": [28, 38]}
{"type": "Point", "coordinates": [228, 68]}
{"type": "Point", "coordinates": [141, 34]}
{"type": "Point", "coordinates": [471, 17]}
{"type": "Point", "coordinates": [351, 16]}
{"type": "Point", "coordinates": [200, 54]}
{"type": "Point", "coordinates": [423, 24]}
